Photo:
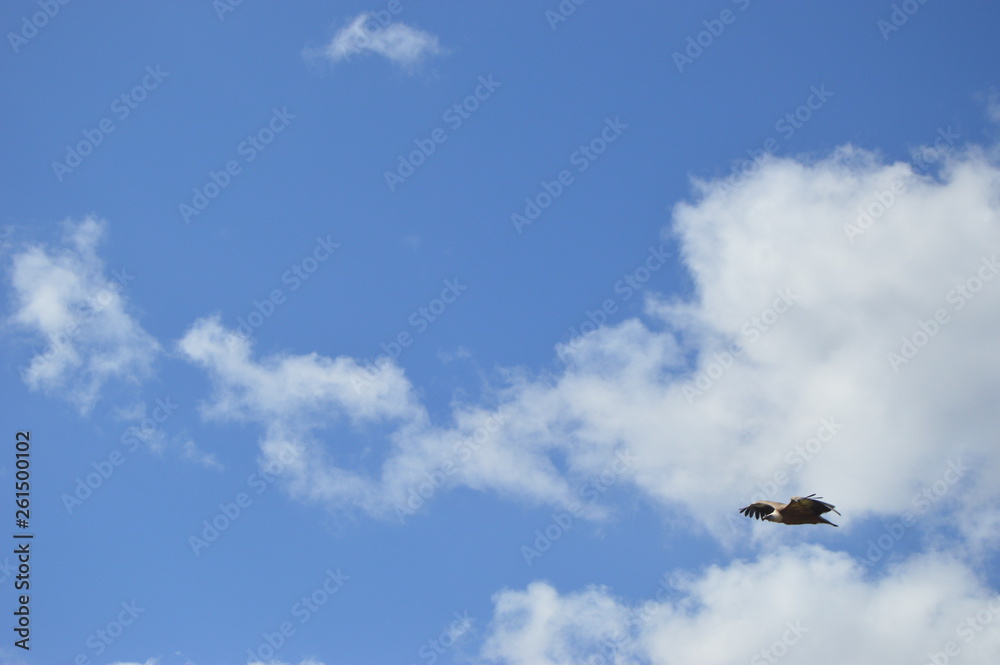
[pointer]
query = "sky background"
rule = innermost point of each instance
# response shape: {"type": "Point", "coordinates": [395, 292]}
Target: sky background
{"type": "Point", "coordinates": [762, 264]}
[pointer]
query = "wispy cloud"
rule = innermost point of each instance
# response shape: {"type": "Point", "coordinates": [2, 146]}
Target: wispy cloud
{"type": "Point", "coordinates": [993, 106]}
{"type": "Point", "coordinates": [63, 296]}
{"type": "Point", "coordinates": [147, 425]}
{"type": "Point", "coordinates": [291, 396]}
{"type": "Point", "coordinates": [401, 44]}
{"type": "Point", "coordinates": [192, 452]}
{"type": "Point", "coordinates": [295, 398]}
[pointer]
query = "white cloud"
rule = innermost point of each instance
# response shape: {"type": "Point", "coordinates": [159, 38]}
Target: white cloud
{"type": "Point", "coordinates": [291, 396]}
{"type": "Point", "coordinates": [804, 605]}
{"type": "Point", "coordinates": [813, 402]}
{"type": "Point", "coordinates": [296, 398]}
{"type": "Point", "coordinates": [192, 452]}
{"type": "Point", "coordinates": [823, 397]}
{"type": "Point", "coordinates": [301, 386]}
{"type": "Point", "coordinates": [399, 43]}
{"type": "Point", "coordinates": [827, 356]}
{"type": "Point", "coordinates": [62, 295]}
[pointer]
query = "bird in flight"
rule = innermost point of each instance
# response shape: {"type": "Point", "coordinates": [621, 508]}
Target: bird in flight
{"type": "Point", "coordinates": [800, 510]}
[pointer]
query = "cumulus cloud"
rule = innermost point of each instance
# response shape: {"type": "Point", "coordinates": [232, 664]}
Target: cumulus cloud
{"type": "Point", "coordinates": [399, 43]}
{"type": "Point", "coordinates": [842, 329]}
{"type": "Point", "coordinates": [841, 339]}
{"type": "Point", "coordinates": [803, 605]}
{"type": "Point", "coordinates": [63, 296]}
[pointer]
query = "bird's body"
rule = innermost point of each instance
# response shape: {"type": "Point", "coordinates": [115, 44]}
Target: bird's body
{"type": "Point", "coordinates": [800, 510]}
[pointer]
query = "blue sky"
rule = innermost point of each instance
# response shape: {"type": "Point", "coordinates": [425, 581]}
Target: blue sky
{"type": "Point", "coordinates": [474, 326]}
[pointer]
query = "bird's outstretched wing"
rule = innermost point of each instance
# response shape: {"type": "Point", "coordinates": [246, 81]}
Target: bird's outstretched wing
{"type": "Point", "coordinates": [759, 509]}
{"type": "Point", "coordinates": [807, 505]}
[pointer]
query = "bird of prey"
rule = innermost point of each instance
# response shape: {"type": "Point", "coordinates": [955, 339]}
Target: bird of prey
{"type": "Point", "coordinates": [800, 510]}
